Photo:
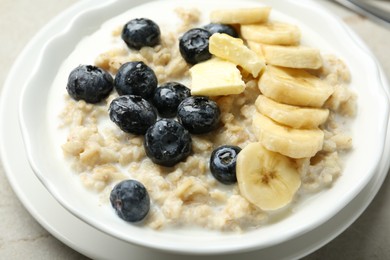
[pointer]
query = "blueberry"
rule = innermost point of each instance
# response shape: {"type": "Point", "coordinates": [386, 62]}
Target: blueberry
{"type": "Point", "coordinates": [135, 78]}
{"type": "Point", "coordinates": [223, 163]}
{"type": "Point", "coordinates": [89, 83]}
{"type": "Point", "coordinates": [167, 142]}
{"type": "Point", "coordinates": [141, 32]}
{"type": "Point", "coordinates": [221, 28]}
{"type": "Point", "coordinates": [198, 114]}
{"type": "Point", "coordinates": [131, 201]}
{"type": "Point", "coordinates": [132, 114]}
{"type": "Point", "coordinates": [168, 96]}
{"type": "Point", "coordinates": [194, 45]}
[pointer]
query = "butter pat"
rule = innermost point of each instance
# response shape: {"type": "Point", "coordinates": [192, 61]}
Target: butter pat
{"type": "Point", "coordinates": [216, 77]}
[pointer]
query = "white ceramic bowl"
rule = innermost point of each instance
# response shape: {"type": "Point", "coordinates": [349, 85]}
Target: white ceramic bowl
{"type": "Point", "coordinates": [42, 95]}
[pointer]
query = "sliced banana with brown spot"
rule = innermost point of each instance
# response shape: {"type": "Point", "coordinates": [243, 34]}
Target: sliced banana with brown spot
{"type": "Point", "coordinates": [293, 116]}
{"type": "Point", "coordinates": [294, 87]}
{"type": "Point", "coordinates": [291, 142]}
{"type": "Point", "coordinates": [267, 179]}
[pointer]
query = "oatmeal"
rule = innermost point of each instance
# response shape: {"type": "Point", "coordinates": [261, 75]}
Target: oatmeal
{"type": "Point", "coordinates": [186, 193]}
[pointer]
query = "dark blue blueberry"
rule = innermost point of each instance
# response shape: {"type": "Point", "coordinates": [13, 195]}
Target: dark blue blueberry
{"type": "Point", "coordinates": [168, 96]}
{"type": "Point", "coordinates": [221, 28]}
{"type": "Point", "coordinates": [141, 32]}
{"type": "Point", "coordinates": [132, 114]}
{"type": "Point", "coordinates": [194, 45]}
{"type": "Point", "coordinates": [167, 142]}
{"type": "Point", "coordinates": [131, 201]}
{"type": "Point", "coordinates": [223, 163]}
{"type": "Point", "coordinates": [198, 114]}
{"type": "Point", "coordinates": [135, 78]}
{"type": "Point", "coordinates": [89, 83]}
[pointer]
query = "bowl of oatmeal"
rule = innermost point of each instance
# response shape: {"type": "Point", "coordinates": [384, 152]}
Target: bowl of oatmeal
{"type": "Point", "coordinates": [301, 157]}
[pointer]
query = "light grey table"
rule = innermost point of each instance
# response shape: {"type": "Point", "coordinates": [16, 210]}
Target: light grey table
{"type": "Point", "coordinates": [21, 237]}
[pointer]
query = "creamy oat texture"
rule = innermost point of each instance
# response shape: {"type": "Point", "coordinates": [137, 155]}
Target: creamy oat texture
{"type": "Point", "coordinates": [187, 194]}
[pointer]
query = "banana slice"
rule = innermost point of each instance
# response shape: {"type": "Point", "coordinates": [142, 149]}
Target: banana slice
{"type": "Point", "coordinates": [294, 87]}
{"type": "Point", "coordinates": [293, 116]}
{"type": "Point", "coordinates": [267, 179]}
{"type": "Point", "coordinates": [257, 48]}
{"type": "Point", "coordinates": [233, 49]}
{"type": "Point", "coordinates": [299, 57]}
{"type": "Point", "coordinates": [291, 142]}
{"type": "Point", "coordinates": [241, 16]}
{"type": "Point", "coordinates": [216, 77]}
{"type": "Point", "coordinates": [275, 33]}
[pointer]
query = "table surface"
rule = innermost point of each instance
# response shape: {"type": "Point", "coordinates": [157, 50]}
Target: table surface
{"type": "Point", "coordinates": [21, 237]}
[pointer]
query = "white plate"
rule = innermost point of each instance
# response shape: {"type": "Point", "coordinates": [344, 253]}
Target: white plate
{"type": "Point", "coordinates": [87, 240]}
{"type": "Point", "coordinates": [34, 107]}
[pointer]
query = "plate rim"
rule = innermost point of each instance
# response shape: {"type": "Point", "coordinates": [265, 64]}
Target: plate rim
{"type": "Point", "coordinates": [2, 150]}
{"type": "Point", "coordinates": [80, 217]}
